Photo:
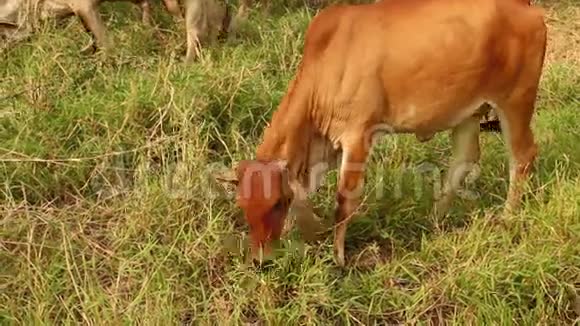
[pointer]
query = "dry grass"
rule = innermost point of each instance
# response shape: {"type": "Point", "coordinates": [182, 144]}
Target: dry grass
{"type": "Point", "coordinates": [108, 216]}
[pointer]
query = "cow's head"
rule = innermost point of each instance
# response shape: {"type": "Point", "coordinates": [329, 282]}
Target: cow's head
{"type": "Point", "coordinates": [264, 195]}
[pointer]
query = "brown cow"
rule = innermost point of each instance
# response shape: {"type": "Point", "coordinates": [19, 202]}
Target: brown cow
{"type": "Point", "coordinates": [414, 66]}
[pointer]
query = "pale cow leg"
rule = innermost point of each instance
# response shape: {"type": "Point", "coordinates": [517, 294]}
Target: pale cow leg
{"type": "Point", "coordinates": [466, 155]}
{"type": "Point", "coordinates": [93, 24]}
{"type": "Point", "coordinates": [194, 20]}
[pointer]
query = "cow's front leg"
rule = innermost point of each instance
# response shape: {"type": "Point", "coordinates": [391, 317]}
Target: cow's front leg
{"type": "Point", "coordinates": [350, 188]}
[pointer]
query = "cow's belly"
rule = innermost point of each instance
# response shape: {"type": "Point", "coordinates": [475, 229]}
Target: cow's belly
{"type": "Point", "coordinates": [57, 8]}
{"type": "Point", "coordinates": [427, 120]}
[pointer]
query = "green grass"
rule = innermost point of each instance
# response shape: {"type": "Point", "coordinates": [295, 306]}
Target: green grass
{"type": "Point", "coordinates": [107, 215]}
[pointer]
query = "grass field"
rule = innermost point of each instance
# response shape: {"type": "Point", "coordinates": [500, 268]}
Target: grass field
{"type": "Point", "coordinates": [108, 216]}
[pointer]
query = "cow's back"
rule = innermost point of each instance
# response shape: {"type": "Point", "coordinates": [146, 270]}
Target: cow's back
{"type": "Point", "coordinates": [414, 64]}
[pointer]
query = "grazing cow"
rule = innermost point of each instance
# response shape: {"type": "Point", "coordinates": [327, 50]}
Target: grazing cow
{"type": "Point", "coordinates": [204, 19]}
{"type": "Point", "coordinates": [416, 66]}
{"type": "Point", "coordinates": [15, 14]}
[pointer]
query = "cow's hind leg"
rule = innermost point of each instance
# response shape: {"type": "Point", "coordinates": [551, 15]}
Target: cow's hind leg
{"type": "Point", "coordinates": [516, 113]}
{"type": "Point", "coordinates": [93, 24]}
{"type": "Point", "coordinates": [241, 15]}
{"type": "Point", "coordinates": [146, 12]}
{"type": "Point", "coordinates": [515, 119]}
{"type": "Point", "coordinates": [193, 45]}
{"type": "Point", "coordinates": [173, 8]}
{"type": "Point", "coordinates": [350, 186]}
{"type": "Point", "coordinates": [466, 154]}
{"type": "Point", "coordinates": [194, 22]}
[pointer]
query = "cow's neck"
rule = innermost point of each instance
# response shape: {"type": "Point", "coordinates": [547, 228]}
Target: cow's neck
{"type": "Point", "coordinates": [286, 140]}
{"type": "Point", "coordinates": [289, 135]}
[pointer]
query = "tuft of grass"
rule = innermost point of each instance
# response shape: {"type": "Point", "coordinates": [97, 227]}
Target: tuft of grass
{"type": "Point", "coordinates": [108, 214]}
